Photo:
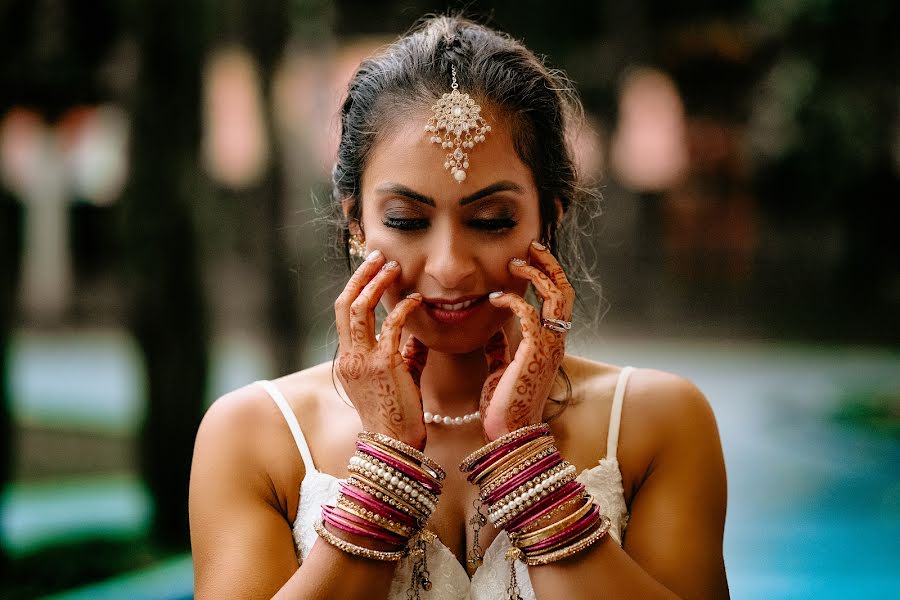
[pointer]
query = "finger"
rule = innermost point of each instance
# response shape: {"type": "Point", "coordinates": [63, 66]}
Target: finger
{"type": "Point", "coordinates": [392, 328]}
{"type": "Point", "coordinates": [415, 354]}
{"type": "Point", "coordinates": [544, 260]}
{"type": "Point", "coordinates": [362, 310]}
{"type": "Point", "coordinates": [488, 389]}
{"type": "Point", "coordinates": [496, 351]}
{"type": "Point", "coordinates": [528, 317]}
{"type": "Point", "coordinates": [555, 304]}
{"type": "Point", "coordinates": [363, 274]}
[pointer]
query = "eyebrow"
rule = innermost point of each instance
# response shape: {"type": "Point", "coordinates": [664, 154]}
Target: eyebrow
{"type": "Point", "coordinates": [402, 190]}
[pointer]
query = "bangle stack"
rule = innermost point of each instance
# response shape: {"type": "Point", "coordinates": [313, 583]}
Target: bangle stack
{"type": "Point", "coordinates": [526, 485]}
{"type": "Point", "coordinates": [391, 493]}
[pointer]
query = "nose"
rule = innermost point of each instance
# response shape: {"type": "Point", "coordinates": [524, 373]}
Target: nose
{"type": "Point", "coordinates": [450, 261]}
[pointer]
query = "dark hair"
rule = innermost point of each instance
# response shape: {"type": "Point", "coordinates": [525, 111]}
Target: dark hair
{"type": "Point", "coordinates": [537, 104]}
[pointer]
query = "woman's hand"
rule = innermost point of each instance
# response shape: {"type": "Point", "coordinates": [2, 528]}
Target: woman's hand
{"type": "Point", "coordinates": [381, 381]}
{"type": "Point", "coordinates": [515, 392]}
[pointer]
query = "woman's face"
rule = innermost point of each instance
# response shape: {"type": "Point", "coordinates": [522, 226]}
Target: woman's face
{"type": "Point", "coordinates": [453, 240]}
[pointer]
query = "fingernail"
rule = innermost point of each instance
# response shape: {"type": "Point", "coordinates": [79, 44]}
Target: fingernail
{"type": "Point", "coordinates": [389, 265]}
{"type": "Point", "coordinates": [374, 255]}
{"type": "Point", "coordinates": [538, 246]}
{"type": "Point", "coordinates": [518, 262]}
{"type": "Point", "coordinates": [415, 296]}
{"type": "Point", "coordinates": [494, 295]}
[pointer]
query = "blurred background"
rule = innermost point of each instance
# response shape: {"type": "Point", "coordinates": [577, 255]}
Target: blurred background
{"type": "Point", "coordinates": [164, 174]}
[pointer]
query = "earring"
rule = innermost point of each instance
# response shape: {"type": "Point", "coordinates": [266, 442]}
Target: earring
{"type": "Point", "coordinates": [357, 247]}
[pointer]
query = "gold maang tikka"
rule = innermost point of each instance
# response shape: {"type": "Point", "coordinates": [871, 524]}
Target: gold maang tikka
{"type": "Point", "coordinates": [457, 125]}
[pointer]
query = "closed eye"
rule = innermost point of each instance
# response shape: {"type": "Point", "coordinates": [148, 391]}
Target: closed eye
{"type": "Point", "coordinates": [405, 224]}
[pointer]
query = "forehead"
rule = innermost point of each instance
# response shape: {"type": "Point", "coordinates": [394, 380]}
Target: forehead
{"type": "Point", "coordinates": [404, 154]}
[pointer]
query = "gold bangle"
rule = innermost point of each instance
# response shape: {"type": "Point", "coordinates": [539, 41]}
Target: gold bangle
{"type": "Point", "coordinates": [536, 524]}
{"type": "Point", "coordinates": [421, 490]}
{"type": "Point", "coordinates": [511, 470]}
{"type": "Point", "coordinates": [467, 463]}
{"type": "Point", "coordinates": [537, 536]}
{"type": "Point", "coordinates": [502, 521]}
{"type": "Point", "coordinates": [385, 496]}
{"type": "Point", "coordinates": [397, 456]}
{"type": "Point", "coordinates": [350, 548]}
{"type": "Point", "coordinates": [406, 449]}
{"type": "Point", "coordinates": [374, 518]}
{"type": "Point", "coordinates": [512, 459]}
{"type": "Point", "coordinates": [575, 548]}
{"type": "Point", "coordinates": [368, 478]}
{"type": "Point", "coordinates": [504, 462]}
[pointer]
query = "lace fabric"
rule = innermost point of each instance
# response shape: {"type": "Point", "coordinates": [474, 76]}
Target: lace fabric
{"type": "Point", "coordinates": [449, 579]}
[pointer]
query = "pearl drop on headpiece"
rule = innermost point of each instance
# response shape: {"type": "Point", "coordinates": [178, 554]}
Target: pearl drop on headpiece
{"type": "Point", "coordinates": [456, 123]}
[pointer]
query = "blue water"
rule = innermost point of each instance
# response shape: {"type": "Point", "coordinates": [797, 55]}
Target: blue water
{"type": "Point", "coordinates": [814, 503]}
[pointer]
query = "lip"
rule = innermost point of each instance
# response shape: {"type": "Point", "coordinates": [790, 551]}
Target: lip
{"type": "Point", "coordinates": [453, 310]}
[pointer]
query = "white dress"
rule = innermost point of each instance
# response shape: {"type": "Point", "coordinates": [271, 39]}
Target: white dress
{"type": "Point", "coordinates": [449, 578]}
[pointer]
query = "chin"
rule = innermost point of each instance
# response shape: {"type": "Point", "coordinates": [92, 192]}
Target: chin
{"type": "Point", "coordinates": [449, 339]}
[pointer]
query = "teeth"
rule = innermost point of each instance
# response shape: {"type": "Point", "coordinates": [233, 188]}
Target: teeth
{"type": "Point", "coordinates": [458, 306]}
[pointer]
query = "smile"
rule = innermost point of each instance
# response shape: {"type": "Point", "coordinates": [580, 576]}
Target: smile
{"type": "Point", "coordinates": [457, 306]}
{"type": "Point", "coordinates": [455, 310]}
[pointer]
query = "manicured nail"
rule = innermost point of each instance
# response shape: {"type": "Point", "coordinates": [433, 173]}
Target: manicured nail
{"type": "Point", "coordinates": [518, 262]}
{"type": "Point", "coordinates": [538, 246]}
{"type": "Point", "coordinates": [414, 296]}
{"type": "Point", "coordinates": [391, 264]}
{"type": "Point", "coordinates": [495, 295]}
{"type": "Point", "coordinates": [374, 255]}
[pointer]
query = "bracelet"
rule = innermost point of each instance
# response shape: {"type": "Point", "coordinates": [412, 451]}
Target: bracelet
{"type": "Point", "coordinates": [398, 462]}
{"type": "Point", "coordinates": [513, 503]}
{"type": "Point", "coordinates": [388, 498]}
{"type": "Point", "coordinates": [531, 519]}
{"type": "Point", "coordinates": [350, 548]}
{"type": "Point", "coordinates": [514, 463]}
{"type": "Point", "coordinates": [372, 503]}
{"type": "Point", "coordinates": [406, 449]}
{"type": "Point", "coordinates": [547, 465]}
{"type": "Point", "coordinates": [524, 540]}
{"type": "Point", "coordinates": [469, 462]}
{"type": "Point", "coordinates": [370, 467]}
{"type": "Point", "coordinates": [575, 548]}
{"type": "Point", "coordinates": [353, 508]}
{"type": "Point", "coordinates": [383, 494]}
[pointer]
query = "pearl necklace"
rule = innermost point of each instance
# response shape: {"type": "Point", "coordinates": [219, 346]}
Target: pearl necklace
{"type": "Point", "coordinates": [442, 420]}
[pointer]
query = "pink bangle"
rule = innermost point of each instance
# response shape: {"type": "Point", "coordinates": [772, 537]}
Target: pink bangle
{"type": "Point", "coordinates": [503, 450]}
{"type": "Point", "coordinates": [571, 532]}
{"type": "Point", "coordinates": [390, 460]}
{"type": "Point", "coordinates": [370, 503]}
{"type": "Point", "coordinates": [533, 513]}
{"type": "Point", "coordinates": [545, 464]}
{"type": "Point", "coordinates": [358, 526]}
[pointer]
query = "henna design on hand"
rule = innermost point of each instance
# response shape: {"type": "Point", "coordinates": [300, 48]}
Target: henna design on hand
{"type": "Point", "coordinates": [381, 383]}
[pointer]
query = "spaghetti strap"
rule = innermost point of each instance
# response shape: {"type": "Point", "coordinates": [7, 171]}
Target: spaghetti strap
{"type": "Point", "coordinates": [615, 414]}
{"type": "Point", "coordinates": [291, 419]}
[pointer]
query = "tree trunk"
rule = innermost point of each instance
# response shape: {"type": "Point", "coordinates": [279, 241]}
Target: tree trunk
{"type": "Point", "coordinates": [169, 318]}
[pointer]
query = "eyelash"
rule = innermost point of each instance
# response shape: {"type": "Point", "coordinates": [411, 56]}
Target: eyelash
{"type": "Point", "coordinates": [494, 225]}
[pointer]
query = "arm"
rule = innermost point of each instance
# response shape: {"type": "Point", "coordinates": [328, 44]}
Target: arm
{"type": "Point", "coordinates": [242, 542]}
{"type": "Point", "coordinates": [241, 539]}
{"type": "Point", "coordinates": [673, 547]}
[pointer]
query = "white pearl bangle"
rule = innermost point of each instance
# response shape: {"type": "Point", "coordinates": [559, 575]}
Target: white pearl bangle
{"type": "Point", "coordinates": [442, 420]}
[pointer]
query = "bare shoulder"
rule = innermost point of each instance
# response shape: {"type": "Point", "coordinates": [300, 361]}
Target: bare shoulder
{"type": "Point", "coordinates": [666, 401]}
{"type": "Point", "coordinates": [246, 428]}
{"type": "Point", "coordinates": [660, 412]}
